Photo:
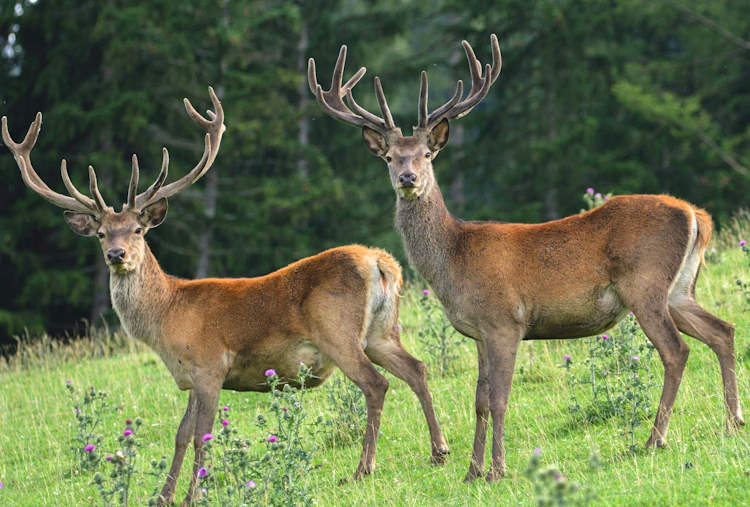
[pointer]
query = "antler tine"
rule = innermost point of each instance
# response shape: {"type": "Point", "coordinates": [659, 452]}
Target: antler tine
{"type": "Point", "coordinates": [331, 100]}
{"type": "Point", "coordinates": [77, 195]}
{"type": "Point", "coordinates": [94, 189]}
{"type": "Point", "coordinates": [157, 184]}
{"type": "Point", "coordinates": [438, 113]}
{"type": "Point", "coordinates": [383, 105]}
{"type": "Point", "coordinates": [497, 59]}
{"type": "Point", "coordinates": [133, 186]}
{"type": "Point", "coordinates": [422, 108]}
{"type": "Point", "coordinates": [22, 154]}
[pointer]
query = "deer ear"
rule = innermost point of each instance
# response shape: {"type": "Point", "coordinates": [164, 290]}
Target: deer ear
{"type": "Point", "coordinates": [154, 214]}
{"type": "Point", "coordinates": [375, 141]}
{"type": "Point", "coordinates": [82, 224]}
{"type": "Point", "coordinates": [438, 136]}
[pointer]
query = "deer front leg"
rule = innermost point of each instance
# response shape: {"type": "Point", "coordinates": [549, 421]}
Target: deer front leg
{"type": "Point", "coordinates": [184, 434]}
{"type": "Point", "coordinates": [501, 354]}
{"type": "Point", "coordinates": [206, 401]}
{"type": "Point", "coordinates": [482, 407]}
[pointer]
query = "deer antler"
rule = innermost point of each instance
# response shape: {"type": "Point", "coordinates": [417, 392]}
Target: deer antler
{"type": "Point", "coordinates": [332, 104]}
{"type": "Point", "coordinates": [480, 85]}
{"type": "Point", "coordinates": [22, 153]}
{"type": "Point", "coordinates": [214, 128]}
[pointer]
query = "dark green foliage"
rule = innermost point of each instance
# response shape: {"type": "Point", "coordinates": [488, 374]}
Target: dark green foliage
{"type": "Point", "coordinates": [631, 96]}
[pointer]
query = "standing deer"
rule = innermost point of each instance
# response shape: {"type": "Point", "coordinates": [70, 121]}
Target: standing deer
{"type": "Point", "coordinates": [501, 283]}
{"type": "Point", "coordinates": [337, 308]}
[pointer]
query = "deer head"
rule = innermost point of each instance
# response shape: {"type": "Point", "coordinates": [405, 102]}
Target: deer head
{"type": "Point", "coordinates": [409, 158]}
{"type": "Point", "coordinates": [121, 234]}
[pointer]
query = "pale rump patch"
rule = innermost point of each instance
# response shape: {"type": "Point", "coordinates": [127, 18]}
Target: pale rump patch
{"type": "Point", "coordinates": [681, 285]}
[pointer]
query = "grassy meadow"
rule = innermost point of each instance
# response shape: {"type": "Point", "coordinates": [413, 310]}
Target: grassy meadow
{"type": "Point", "coordinates": [702, 465]}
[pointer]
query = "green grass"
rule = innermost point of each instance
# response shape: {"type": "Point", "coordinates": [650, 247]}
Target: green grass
{"type": "Point", "coordinates": [37, 422]}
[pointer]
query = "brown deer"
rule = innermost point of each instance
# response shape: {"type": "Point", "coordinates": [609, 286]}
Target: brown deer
{"type": "Point", "coordinates": [502, 283]}
{"type": "Point", "coordinates": [337, 308]}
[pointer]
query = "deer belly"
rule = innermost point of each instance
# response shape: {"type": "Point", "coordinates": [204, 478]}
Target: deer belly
{"type": "Point", "coordinates": [248, 371]}
{"type": "Point", "coordinates": [577, 317]}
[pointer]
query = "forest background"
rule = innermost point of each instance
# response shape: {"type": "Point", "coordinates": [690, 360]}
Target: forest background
{"type": "Point", "coordinates": [624, 96]}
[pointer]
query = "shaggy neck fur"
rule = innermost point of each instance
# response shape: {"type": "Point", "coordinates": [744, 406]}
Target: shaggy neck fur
{"type": "Point", "coordinates": [141, 298]}
{"type": "Point", "coordinates": [429, 233]}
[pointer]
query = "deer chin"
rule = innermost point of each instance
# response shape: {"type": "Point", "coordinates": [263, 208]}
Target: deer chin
{"type": "Point", "coordinates": [410, 193]}
{"type": "Point", "coordinates": [121, 269]}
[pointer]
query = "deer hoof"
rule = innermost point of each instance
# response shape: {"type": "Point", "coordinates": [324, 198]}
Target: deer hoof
{"type": "Point", "coordinates": [438, 456]}
{"type": "Point", "coordinates": [495, 474]}
{"type": "Point", "coordinates": [473, 474]}
{"type": "Point", "coordinates": [655, 443]}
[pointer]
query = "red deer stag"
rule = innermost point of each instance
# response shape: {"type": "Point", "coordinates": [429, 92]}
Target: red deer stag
{"type": "Point", "coordinates": [337, 308]}
{"type": "Point", "coordinates": [502, 283]}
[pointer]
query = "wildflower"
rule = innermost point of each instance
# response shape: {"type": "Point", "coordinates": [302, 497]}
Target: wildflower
{"type": "Point", "coordinates": [207, 437]}
{"type": "Point", "coordinates": [606, 198]}
{"type": "Point", "coordinates": [590, 191]}
{"type": "Point", "coordinates": [1, 484]}
{"type": "Point", "coordinates": [426, 292]}
{"type": "Point", "coordinates": [399, 327]}
{"type": "Point", "coordinates": [558, 476]}
{"type": "Point", "coordinates": [128, 422]}
{"type": "Point", "coordinates": [202, 472]}
{"type": "Point", "coordinates": [108, 458]}
{"type": "Point", "coordinates": [284, 409]}
{"type": "Point", "coordinates": [89, 448]}
{"type": "Point", "coordinates": [127, 432]}
{"type": "Point", "coordinates": [250, 484]}
{"type": "Point", "coordinates": [635, 358]}
{"type": "Point", "coordinates": [598, 195]}
{"type": "Point", "coordinates": [296, 404]}
{"type": "Point", "coordinates": [270, 372]}
{"type": "Point", "coordinates": [743, 242]}
{"type": "Point", "coordinates": [77, 411]}
{"type": "Point", "coordinates": [273, 438]}
{"type": "Point", "coordinates": [537, 451]}
{"type": "Point", "coordinates": [605, 337]}
{"type": "Point", "coordinates": [226, 409]}
{"type": "Point", "coordinates": [567, 358]}
{"type": "Point", "coordinates": [203, 490]}
{"type": "Point", "coordinates": [69, 382]}
{"type": "Point", "coordinates": [224, 422]}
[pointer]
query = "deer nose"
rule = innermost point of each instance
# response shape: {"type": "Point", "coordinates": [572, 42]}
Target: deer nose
{"type": "Point", "coordinates": [116, 255]}
{"type": "Point", "coordinates": [407, 179]}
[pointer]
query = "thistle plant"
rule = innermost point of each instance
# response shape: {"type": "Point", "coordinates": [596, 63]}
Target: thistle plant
{"type": "Point", "coordinates": [594, 199]}
{"type": "Point", "coordinates": [615, 379]}
{"type": "Point", "coordinates": [88, 407]}
{"type": "Point", "coordinates": [439, 339]}
{"type": "Point", "coordinates": [117, 480]}
{"type": "Point", "coordinates": [348, 413]}
{"type": "Point", "coordinates": [551, 487]}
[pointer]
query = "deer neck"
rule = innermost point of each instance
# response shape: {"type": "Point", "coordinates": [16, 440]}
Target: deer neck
{"type": "Point", "coordinates": [141, 298]}
{"type": "Point", "coordinates": [429, 233]}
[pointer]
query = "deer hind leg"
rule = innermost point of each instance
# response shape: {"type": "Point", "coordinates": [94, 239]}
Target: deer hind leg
{"type": "Point", "coordinates": [693, 320]}
{"type": "Point", "coordinates": [482, 408]}
{"type": "Point", "coordinates": [656, 322]}
{"type": "Point", "coordinates": [387, 351]}
{"type": "Point", "coordinates": [182, 440]}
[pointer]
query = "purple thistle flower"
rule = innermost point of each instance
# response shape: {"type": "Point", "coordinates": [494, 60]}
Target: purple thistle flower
{"type": "Point", "coordinates": [202, 472]}
{"type": "Point", "coordinates": [108, 458]}
{"type": "Point", "coordinates": [89, 448]}
{"type": "Point", "coordinates": [69, 382]}
{"type": "Point", "coordinates": [590, 191]}
{"type": "Point", "coordinates": [426, 292]}
{"type": "Point", "coordinates": [537, 451]}
{"type": "Point", "coordinates": [1, 484]}
{"type": "Point", "coordinates": [743, 242]}
{"type": "Point", "coordinates": [250, 484]}
{"type": "Point", "coordinates": [127, 432]}
{"type": "Point", "coordinates": [606, 198]}
{"type": "Point", "coordinates": [203, 490]}
{"type": "Point", "coordinates": [566, 358]}
{"type": "Point", "coordinates": [399, 327]}
{"type": "Point", "coordinates": [273, 438]}
{"type": "Point", "coordinates": [635, 358]}
{"type": "Point", "coordinates": [284, 409]}
{"type": "Point", "coordinates": [558, 476]}
{"type": "Point", "coordinates": [598, 195]}
{"type": "Point", "coordinates": [270, 372]}
{"type": "Point", "coordinates": [605, 337]}
{"type": "Point", "coordinates": [207, 437]}
{"type": "Point", "coordinates": [128, 422]}
{"type": "Point", "coordinates": [226, 409]}
{"type": "Point", "coordinates": [77, 411]}
{"type": "Point", "coordinates": [224, 422]}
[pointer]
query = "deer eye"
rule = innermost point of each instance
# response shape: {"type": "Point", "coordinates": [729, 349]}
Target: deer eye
{"type": "Point", "coordinates": [388, 158]}
{"type": "Point", "coordinates": [100, 234]}
{"type": "Point", "coordinates": [138, 230]}
{"type": "Point", "coordinates": [427, 155]}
